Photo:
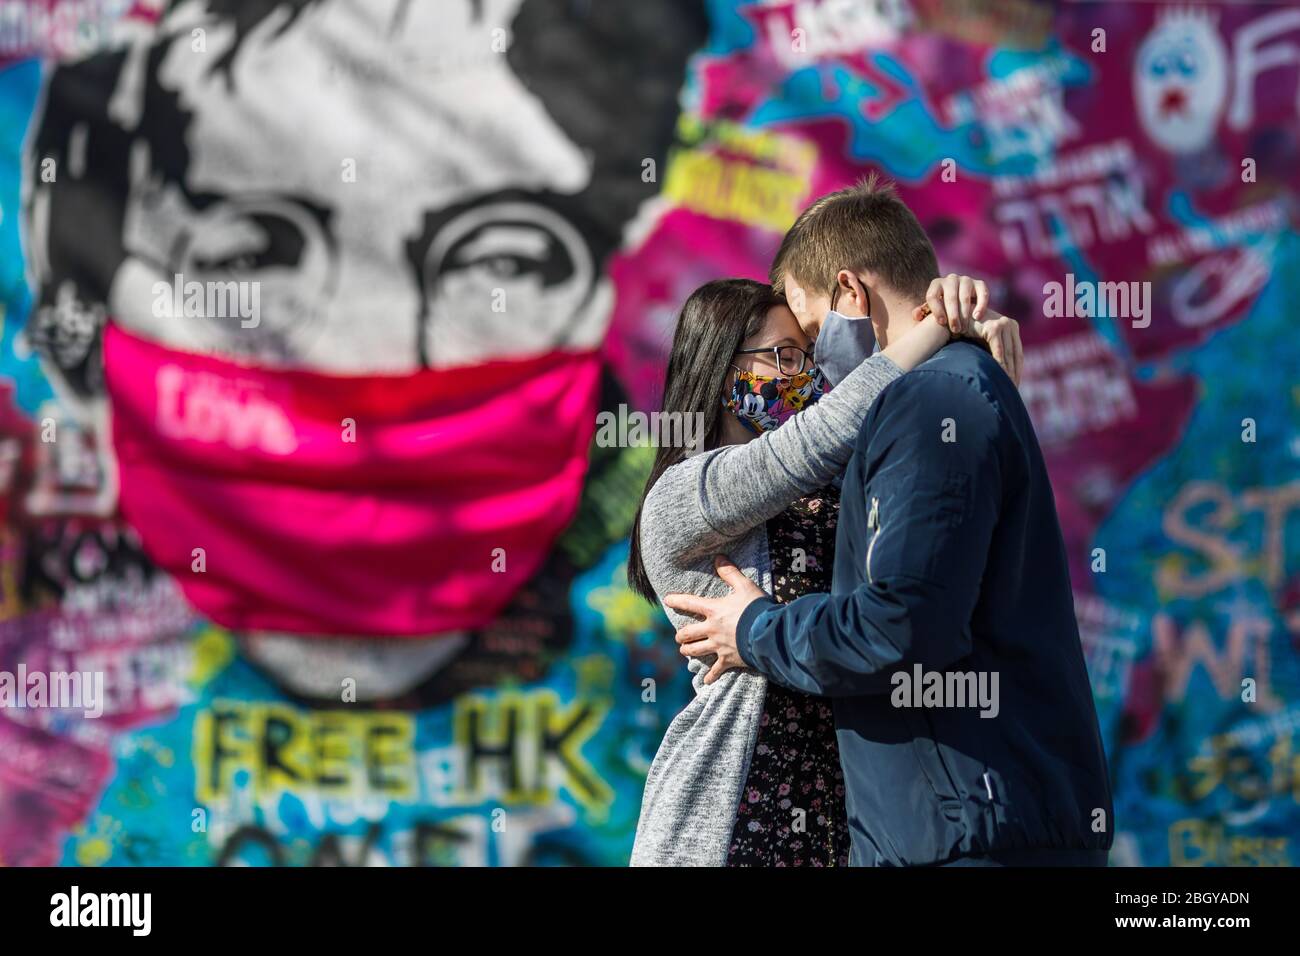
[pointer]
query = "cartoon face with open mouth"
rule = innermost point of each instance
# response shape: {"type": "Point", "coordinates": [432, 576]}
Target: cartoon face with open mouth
{"type": "Point", "coordinates": [1180, 81]}
{"type": "Point", "coordinates": [344, 266]}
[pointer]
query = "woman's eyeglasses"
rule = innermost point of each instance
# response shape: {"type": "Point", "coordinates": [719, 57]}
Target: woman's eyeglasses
{"type": "Point", "coordinates": [790, 359]}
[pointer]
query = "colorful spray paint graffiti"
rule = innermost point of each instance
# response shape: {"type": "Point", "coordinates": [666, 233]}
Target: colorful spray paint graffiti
{"type": "Point", "coordinates": [403, 640]}
{"type": "Point", "coordinates": [347, 671]}
{"type": "Point", "coordinates": [1106, 143]}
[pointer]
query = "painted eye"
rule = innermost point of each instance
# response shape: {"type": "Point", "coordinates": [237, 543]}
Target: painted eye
{"type": "Point", "coordinates": [511, 251]}
{"type": "Point", "coordinates": [245, 236]}
{"type": "Point", "coordinates": [508, 240]}
{"type": "Point", "coordinates": [1187, 63]}
{"type": "Point", "coordinates": [498, 248]}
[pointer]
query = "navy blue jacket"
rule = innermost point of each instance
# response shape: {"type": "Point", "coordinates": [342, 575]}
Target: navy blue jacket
{"type": "Point", "coordinates": [949, 558]}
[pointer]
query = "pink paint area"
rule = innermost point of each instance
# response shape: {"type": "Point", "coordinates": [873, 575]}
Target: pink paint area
{"type": "Point", "coordinates": [366, 505]}
{"type": "Point", "coordinates": [685, 250]}
{"type": "Point", "coordinates": [47, 785]}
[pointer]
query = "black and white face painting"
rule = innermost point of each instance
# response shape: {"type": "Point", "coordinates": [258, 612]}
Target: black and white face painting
{"type": "Point", "coordinates": [377, 171]}
{"type": "Point", "coordinates": [367, 187]}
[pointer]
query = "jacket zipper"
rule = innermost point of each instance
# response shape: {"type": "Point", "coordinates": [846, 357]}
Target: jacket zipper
{"type": "Point", "coordinates": [873, 525]}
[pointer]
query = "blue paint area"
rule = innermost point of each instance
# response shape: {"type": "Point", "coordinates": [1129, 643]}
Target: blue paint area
{"type": "Point", "coordinates": [19, 88]}
{"type": "Point", "coordinates": [729, 30]}
{"type": "Point", "coordinates": [908, 140]}
{"type": "Point", "coordinates": [1245, 371]}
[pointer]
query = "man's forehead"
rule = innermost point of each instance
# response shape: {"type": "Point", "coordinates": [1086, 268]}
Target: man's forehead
{"type": "Point", "coordinates": [791, 283]}
{"type": "Point", "coordinates": [795, 295]}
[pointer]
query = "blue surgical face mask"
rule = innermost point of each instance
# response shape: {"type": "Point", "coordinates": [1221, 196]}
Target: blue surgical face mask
{"type": "Point", "coordinates": [843, 343]}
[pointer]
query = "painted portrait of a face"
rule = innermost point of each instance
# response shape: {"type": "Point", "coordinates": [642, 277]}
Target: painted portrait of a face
{"type": "Point", "coordinates": [415, 200]}
{"type": "Point", "coordinates": [1180, 81]}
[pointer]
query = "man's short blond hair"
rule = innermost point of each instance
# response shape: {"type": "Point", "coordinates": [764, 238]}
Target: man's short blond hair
{"type": "Point", "coordinates": [864, 228]}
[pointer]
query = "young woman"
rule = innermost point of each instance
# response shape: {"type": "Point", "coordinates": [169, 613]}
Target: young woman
{"type": "Point", "coordinates": [744, 757]}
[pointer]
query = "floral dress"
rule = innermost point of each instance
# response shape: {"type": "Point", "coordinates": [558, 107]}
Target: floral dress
{"type": "Point", "coordinates": [791, 809]}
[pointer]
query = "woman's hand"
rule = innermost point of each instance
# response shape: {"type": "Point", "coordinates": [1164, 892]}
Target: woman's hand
{"type": "Point", "coordinates": [958, 306]}
{"type": "Point", "coordinates": [1003, 337]}
{"type": "Point", "coordinates": [957, 301]}
{"type": "Point", "coordinates": [960, 303]}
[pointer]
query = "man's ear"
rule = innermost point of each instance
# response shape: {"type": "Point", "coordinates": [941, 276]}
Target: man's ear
{"type": "Point", "coordinates": [852, 290]}
{"type": "Point", "coordinates": [920, 312]}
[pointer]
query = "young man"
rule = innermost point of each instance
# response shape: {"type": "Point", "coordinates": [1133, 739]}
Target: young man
{"type": "Point", "coordinates": [964, 715]}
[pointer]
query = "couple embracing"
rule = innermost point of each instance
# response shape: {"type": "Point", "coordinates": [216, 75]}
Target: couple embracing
{"type": "Point", "coordinates": [865, 569]}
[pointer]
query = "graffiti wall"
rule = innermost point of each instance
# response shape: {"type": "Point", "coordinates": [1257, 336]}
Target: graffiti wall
{"type": "Point", "coordinates": [310, 308]}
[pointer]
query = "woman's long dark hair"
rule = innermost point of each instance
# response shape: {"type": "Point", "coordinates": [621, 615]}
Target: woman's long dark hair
{"type": "Point", "coordinates": [713, 323]}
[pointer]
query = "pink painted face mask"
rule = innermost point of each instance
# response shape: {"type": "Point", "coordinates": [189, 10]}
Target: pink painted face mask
{"type": "Point", "coordinates": [372, 505]}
